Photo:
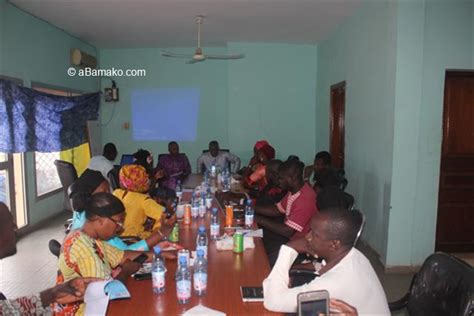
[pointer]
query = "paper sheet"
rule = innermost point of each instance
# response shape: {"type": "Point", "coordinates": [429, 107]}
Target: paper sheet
{"type": "Point", "coordinates": [203, 311]}
{"type": "Point", "coordinates": [95, 299]}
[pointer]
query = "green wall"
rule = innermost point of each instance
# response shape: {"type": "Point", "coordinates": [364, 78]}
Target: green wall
{"type": "Point", "coordinates": [35, 51]}
{"type": "Point", "coordinates": [265, 95]}
{"type": "Point", "coordinates": [362, 53]}
{"type": "Point", "coordinates": [393, 56]}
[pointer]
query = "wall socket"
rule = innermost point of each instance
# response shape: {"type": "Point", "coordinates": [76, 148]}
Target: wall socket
{"type": "Point", "coordinates": [126, 125]}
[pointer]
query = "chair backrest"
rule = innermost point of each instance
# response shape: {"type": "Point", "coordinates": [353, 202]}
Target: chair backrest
{"type": "Point", "coordinates": [67, 175]}
{"type": "Point", "coordinates": [113, 176]}
{"type": "Point", "coordinates": [443, 286]}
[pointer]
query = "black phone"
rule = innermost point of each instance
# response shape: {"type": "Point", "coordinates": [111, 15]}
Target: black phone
{"type": "Point", "coordinates": [142, 276]}
{"type": "Point", "coordinates": [141, 258]}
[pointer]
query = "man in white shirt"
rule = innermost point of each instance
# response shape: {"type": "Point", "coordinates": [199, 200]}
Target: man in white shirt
{"type": "Point", "coordinates": [103, 163]}
{"type": "Point", "coordinates": [347, 275]}
{"type": "Point", "coordinates": [221, 159]}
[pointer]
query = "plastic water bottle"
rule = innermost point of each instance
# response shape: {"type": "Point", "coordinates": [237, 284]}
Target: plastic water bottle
{"type": "Point", "coordinates": [158, 271]}
{"type": "Point", "coordinates": [249, 214]}
{"type": "Point", "coordinates": [201, 240]}
{"type": "Point", "coordinates": [200, 274]}
{"type": "Point", "coordinates": [183, 282]}
{"type": "Point", "coordinates": [215, 224]}
{"type": "Point", "coordinates": [179, 190]}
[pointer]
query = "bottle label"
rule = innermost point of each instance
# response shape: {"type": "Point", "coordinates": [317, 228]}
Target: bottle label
{"type": "Point", "coordinates": [215, 230]}
{"type": "Point", "coordinates": [203, 248]}
{"type": "Point", "coordinates": [248, 220]}
{"type": "Point", "coordinates": [200, 281]}
{"type": "Point", "coordinates": [158, 280]}
{"type": "Point", "coordinates": [183, 289]}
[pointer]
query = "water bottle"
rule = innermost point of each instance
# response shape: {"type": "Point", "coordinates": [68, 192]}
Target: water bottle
{"type": "Point", "coordinates": [179, 190]}
{"type": "Point", "coordinates": [249, 214]}
{"type": "Point", "coordinates": [200, 274]}
{"type": "Point", "coordinates": [215, 224]}
{"type": "Point", "coordinates": [183, 282]}
{"type": "Point", "coordinates": [201, 240]}
{"type": "Point", "coordinates": [213, 170]}
{"type": "Point", "coordinates": [158, 271]}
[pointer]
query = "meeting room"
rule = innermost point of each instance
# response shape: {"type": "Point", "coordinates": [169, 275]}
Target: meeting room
{"type": "Point", "coordinates": [288, 157]}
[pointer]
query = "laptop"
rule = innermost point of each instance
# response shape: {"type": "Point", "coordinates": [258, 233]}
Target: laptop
{"type": "Point", "coordinates": [127, 159]}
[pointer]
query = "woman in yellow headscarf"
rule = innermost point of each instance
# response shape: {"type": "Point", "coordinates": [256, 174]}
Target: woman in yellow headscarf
{"type": "Point", "coordinates": [139, 206]}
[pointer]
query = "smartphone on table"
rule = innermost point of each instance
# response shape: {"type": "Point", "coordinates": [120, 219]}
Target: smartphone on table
{"type": "Point", "coordinates": [313, 303]}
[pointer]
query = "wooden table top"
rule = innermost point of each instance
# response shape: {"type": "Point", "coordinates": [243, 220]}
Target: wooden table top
{"type": "Point", "coordinates": [226, 273]}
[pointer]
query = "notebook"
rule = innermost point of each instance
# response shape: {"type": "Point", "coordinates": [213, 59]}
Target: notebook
{"type": "Point", "coordinates": [252, 293]}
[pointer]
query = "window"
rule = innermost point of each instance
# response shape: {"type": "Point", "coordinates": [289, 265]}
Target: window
{"type": "Point", "coordinates": [46, 175]}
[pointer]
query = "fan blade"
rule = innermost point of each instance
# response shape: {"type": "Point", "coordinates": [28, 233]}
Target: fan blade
{"type": "Point", "coordinates": [236, 56]}
{"type": "Point", "coordinates": [176, 55]}
{"type": "Point", "coordinates": [193, 61]}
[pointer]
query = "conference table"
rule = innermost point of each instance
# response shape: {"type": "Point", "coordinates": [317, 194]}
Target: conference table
{"type": "Point", "coordinates": [227, 272]}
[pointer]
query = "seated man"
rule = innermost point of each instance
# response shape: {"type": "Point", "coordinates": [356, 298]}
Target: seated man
{"type": "Point", "coordinates": [220, 159]}
{"type": "Point", "coordinates": [38, 304]}
{"type": "Point", "coordinates": [289, 218]}
{"type": "Point", "coordinates": [175, 165]}
{"type": "Point", "coordinates": [103, 163]}
{"type": "Point", "coordinates": [347, 275]}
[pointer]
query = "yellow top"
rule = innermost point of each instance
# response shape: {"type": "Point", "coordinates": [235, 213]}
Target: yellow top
{"type": "Point", "coordinates": [83, 256]}
{"type": "Point", "coordinates": [139, 206]}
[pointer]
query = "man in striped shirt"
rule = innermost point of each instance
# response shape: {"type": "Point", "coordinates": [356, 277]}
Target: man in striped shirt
{"type": "Point", "coordinates": [290, 218]}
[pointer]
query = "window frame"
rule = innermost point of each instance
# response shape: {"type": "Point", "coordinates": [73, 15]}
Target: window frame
{"type": "Point", "coordinates": [40, 85]}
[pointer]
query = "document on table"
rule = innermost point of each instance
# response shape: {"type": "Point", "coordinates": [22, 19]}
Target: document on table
{"type": "Point", "coordinates": [98, 294]}
{"type": "Point", "coordinates": [203, 311]}
{"type": "Point", "coordinates": [251, 233]}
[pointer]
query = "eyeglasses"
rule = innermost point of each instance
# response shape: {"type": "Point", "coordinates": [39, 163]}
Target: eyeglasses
{"type": "Point", "coordinates": [118, 223]}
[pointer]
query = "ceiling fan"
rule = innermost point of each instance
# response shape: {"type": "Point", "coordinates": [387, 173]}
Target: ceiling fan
{"type": "Point", "coordinates": [198, 54]}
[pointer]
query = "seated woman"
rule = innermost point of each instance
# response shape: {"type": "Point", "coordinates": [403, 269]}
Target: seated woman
{"type": "Point", "coordinates": [139, 206]}
{"type": "Point", "coordinates": [92, 182]}
{"type": "Point", "coordinates": [86, 254]}
{"type": "Point", "coordinates": [245, 171]}
{"type": "Point", "coordinates": [256, 180]}
{"type": "Point", "coordinates": [175, 166]}
{"type": "Point", "coordinates": [145, 159]}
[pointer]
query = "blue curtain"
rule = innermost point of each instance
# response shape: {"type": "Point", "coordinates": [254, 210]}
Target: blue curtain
{"type": "Point", "coordinates": [35, 121]}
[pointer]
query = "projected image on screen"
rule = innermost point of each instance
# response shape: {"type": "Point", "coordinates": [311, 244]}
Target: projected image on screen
{"type": "Point", "coordinates": [165, 114]}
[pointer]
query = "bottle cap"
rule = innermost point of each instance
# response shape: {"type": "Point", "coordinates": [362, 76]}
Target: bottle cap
{"type": "Point", "coordinates": [200, 253]}
{"type": "Point", "coordinates": [182, 260]}
{"type": "Point", "coordinates": [214, 210]}
{"type": "Point", "coordinates": [157, 249]}
{"type": "Point", "coordinates": [202, 229]}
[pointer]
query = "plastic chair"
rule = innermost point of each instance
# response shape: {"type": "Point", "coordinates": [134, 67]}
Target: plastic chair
{"type": "Point", "coordinates": [443, 286]}
{"type": "Point", "coordinates": [67, 175]}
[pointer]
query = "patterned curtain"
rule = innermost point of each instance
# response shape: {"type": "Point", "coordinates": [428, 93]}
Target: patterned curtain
{"type": "Point", "coordinates": [35, 121]}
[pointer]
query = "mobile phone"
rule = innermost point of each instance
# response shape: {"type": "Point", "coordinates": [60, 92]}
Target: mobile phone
{"type": "Point", "coordinates": [313, 303]}
{"type": "Point", "coordinates": [141, 258]}
{"type": "Point", "coordinates": [142, 276]}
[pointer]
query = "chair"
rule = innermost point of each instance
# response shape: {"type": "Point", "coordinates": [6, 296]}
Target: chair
{"type": "Point", "coordinates": [443, 286]}
{"type": "Point", "coordinates": [67, 175]}
{"type": "Point", "coordinates": [113, 177]}
{"type": "Point", "coordinates": [54, 247]}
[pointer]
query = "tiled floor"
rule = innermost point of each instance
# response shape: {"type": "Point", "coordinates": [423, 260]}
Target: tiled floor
{"type": "Point", "coordinates": [33, 268]}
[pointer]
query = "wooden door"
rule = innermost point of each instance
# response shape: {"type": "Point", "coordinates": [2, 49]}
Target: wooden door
{"type": "Point", "coordinates": [338, 104]}
{"type": "Point", "coordinates": [455, 225]}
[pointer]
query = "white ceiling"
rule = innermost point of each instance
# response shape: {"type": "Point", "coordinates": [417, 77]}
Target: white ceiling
{"type": "Point", "coordinates": [170, 23]}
